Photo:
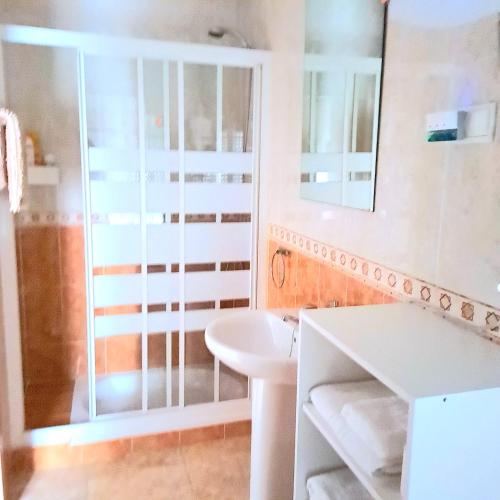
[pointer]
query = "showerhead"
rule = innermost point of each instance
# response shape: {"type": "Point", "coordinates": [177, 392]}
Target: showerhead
{"type": "Point", "coordinates": [219, 32]}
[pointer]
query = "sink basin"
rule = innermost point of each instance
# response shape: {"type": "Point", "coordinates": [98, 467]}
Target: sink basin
{"type": "Point", "coordinates": [258, 344]}
{"type": "Point", "coordinates": [262, 346]}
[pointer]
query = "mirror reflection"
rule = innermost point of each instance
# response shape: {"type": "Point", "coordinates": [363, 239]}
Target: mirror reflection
{"type": "Point", "coordinates": [341, 101]}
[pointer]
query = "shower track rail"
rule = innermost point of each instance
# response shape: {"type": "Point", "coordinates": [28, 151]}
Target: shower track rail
{"type": "Point", "coordinates": [144, 421]}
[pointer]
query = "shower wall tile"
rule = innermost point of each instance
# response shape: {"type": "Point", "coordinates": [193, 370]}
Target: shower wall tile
{"type": "Point", "coordinates": [51, 276]}
{"type": "Point", "coordinates": [123, 353]}
{"type": "Point", "coordinates": [157, 350]}
{"type": "Point", "coordinates": [196, 351]}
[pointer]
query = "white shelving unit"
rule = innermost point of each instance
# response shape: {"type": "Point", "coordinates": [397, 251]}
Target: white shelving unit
{"type": "Point", "coordinates": [449, 376]}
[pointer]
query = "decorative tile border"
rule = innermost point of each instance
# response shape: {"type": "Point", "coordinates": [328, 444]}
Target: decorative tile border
{"type": "Point", "coordinates": [483, 317]}
{"type": "Point", "coordinates": [24, 219]}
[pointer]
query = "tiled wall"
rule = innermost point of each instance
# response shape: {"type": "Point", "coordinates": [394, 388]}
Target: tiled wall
{"type": "Point", "coordinates": [310, 282]}
{"type": "Point", "coordinates": [318, 273]}
{"type": "Point", "coordinates": [51, 277]}
{"type": "Point", "coordinates": [51, 274]}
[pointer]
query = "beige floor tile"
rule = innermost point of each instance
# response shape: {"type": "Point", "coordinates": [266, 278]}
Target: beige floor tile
{"type": "Point", "coordinates": [62, 484]}
{"type": "Point", "coordinates": [150, 483]}
{"type": "Point", "coordinates": [217, 470]}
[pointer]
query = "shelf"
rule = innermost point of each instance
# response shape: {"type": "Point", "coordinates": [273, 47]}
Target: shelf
{"type": "Point", "coordinates": [40, 175]}
{"type": "Point", "coordinates": [415, 352]}
{"type": "Point", "coordinates": [380, 487]}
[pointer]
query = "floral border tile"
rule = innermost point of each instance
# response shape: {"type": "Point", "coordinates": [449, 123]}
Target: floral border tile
{"type": "Point", "coordinates": [400, 285]}
{"type": "Point", "coordinates": [26, 218]}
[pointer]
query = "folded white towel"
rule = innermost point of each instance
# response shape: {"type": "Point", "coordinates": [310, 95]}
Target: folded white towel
{"type": "Point", "coordinates": [381, 424]}
{"type": "Point", "coordinates": [340, 484]}
{"type": "Point", "coordinates": [329, 399]}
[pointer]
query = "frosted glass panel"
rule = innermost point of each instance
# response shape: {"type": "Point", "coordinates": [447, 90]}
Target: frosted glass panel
{"type": "Point", "coordinates": [237, 110]}
{"type": "Point", "coordinates": [232, 385]}
{"type": "Point", "coordinates": [200, 98]}
{"type": "Point", "coordinates": [118, 384]}
{"type": "Point", "coordinates": [199, 369]}
{"type": "Point", "coordinates": [111, 88]}
{"type": "Point", "coordinates": [160, 104]}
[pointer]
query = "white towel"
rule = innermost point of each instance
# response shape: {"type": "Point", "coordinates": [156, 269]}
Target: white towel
{"type": "Point", "coordinates": [340, 484]}
{"type": "Point", "coordinates": [11, 166]}
{"type": "Point", "coordinates": [381, 424]}
{"type": "Point", "coordinates": [329, 399]}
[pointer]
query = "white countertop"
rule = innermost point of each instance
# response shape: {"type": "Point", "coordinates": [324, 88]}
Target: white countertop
{"type": "Point", "coordinates": [415, 352]}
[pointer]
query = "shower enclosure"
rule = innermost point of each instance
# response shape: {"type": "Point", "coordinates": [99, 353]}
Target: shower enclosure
{"type": "Point", "coordinates": [155, 220]}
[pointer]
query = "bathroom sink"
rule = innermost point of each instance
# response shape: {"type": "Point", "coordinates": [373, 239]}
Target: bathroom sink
{"type": "Point", "coordinates": [259, 344]}
{"type": "Point", "coordinates": [262, 345]}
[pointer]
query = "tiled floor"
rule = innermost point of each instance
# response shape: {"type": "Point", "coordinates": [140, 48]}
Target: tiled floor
{"type": "Point", "coordinates": [209, 470]}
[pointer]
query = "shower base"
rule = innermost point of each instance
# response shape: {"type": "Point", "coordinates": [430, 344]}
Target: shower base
{"type": "Point", "coordinates": [121, 392]}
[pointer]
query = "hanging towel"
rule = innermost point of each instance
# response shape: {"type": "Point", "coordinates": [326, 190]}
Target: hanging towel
{"type": "Point", "coordinates": [11, 167]}
{"type": "Point", "coordinates": [381, 424]}
{"type": "Point", "coordinates": [340, 484]}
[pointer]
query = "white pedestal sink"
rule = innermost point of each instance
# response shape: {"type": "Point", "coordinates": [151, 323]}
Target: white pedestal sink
{"type": "Point", "coordinates": [261, 345]}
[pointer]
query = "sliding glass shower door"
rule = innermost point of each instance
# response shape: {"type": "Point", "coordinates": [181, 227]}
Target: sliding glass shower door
{"type": "Point", "coordinates": [169, 230]}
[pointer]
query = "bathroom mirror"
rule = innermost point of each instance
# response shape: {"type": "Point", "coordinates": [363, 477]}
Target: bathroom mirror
{"type": "Point", "coordinates": [343, 63]}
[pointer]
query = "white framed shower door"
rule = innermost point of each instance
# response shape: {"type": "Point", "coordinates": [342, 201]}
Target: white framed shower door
{"type": "Point", "coordinates": [176, 220]}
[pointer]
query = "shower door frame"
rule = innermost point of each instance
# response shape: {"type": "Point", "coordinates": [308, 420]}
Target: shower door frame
{"type": "Point", "coordinates": [145, 421]}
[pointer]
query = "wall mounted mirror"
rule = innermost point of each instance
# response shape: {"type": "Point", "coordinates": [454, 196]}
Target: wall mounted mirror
{"type": "Point", "coordinates": [343, 62]}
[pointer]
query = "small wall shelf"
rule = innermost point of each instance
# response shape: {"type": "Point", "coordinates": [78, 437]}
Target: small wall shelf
{"type": "Point", "coordinates": [41, 175]}
{"type": "Point", "coordinates": [448, 375]}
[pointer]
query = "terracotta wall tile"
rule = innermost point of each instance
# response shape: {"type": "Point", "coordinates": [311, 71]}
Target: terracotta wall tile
{"type": "Point", "coordinates": [196, 351]}
{"type": "Point", "coordinates": [51, 273]}
{"type": "Point", "coordinates": [55, 361]}
{"type": "Point", "coordinates": [72, 248]}
{"type": "Point", "coordinates": [48, 404]}
{"type": "Point", "coordinates": [123, 353]}
{"type": "Point", "coordinates": [359, 294]}
{"type": "Point", "coordinates": [308, 272]}
{"type": "Point", "coordinates": [332, 286]}
{"type": "Point", "coordinates": [390, 299]}
{"type": "Point", "coordinates": [312, 282]}
{"type": "Point", "coordinates": [157, 350]}
{"type": "Point", "coordinates": [73, 313]}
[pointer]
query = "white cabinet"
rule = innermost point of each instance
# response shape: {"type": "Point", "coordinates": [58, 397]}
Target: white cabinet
{"type": "Point", "coordinates": [448, 375]}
